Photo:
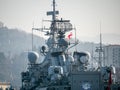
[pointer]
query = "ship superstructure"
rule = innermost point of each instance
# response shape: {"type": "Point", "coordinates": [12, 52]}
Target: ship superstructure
{"type": "Point", "coordinates": [61, 69]}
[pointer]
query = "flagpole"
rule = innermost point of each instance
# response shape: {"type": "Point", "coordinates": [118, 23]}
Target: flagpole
{"type": "Point", "coordinates": [75, 39]}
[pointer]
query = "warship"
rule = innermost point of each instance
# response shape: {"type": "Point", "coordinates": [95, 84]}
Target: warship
{"type": "Point", "coordinates": [62, 69]}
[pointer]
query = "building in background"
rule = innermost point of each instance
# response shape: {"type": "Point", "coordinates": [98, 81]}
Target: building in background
{"type": "Point", "coordinates": [111, 55]}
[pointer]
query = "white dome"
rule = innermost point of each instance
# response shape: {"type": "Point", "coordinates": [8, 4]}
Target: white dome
{"type": "Point", "coordinates": [33, 56]}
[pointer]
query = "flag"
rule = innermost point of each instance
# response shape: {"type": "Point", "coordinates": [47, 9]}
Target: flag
{"type": "Point", "coordinates": [69, 36]}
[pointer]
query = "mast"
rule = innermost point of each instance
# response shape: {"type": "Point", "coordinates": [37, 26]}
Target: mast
{"type": "Point", "coordinates": [100, 50]}
{"type": "Point", "coordinates": [53, 20]}
{"type": "Point", "coordinates": [54, 11]}
{"type": "Point", "coordinates": [53, 24]}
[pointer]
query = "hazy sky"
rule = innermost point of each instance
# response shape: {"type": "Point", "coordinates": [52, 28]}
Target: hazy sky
{"type": "Point", "coordinates": [86, 15]}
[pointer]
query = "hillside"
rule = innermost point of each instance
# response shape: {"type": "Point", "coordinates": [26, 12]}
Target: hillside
{"type": "Point", "coordinates": [13, 58]}
{"type": "Point", "coordinates": [16, 41]}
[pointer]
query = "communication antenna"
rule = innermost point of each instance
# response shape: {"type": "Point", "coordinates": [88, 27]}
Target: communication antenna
{"type": "Point", "coordinates": [100, 52]}
{"type": "Point", "coordinates": [32, 35]}
{"type": "Point", "coordinates": [100, 49]}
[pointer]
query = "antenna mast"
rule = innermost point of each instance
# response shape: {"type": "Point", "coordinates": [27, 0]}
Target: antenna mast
{"type": "Point", "coordinates": [100, 48]}
{"type": "Point", "coordinates": [54, 11]}
{"type": "Point", "coordinates": [100, 52]}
